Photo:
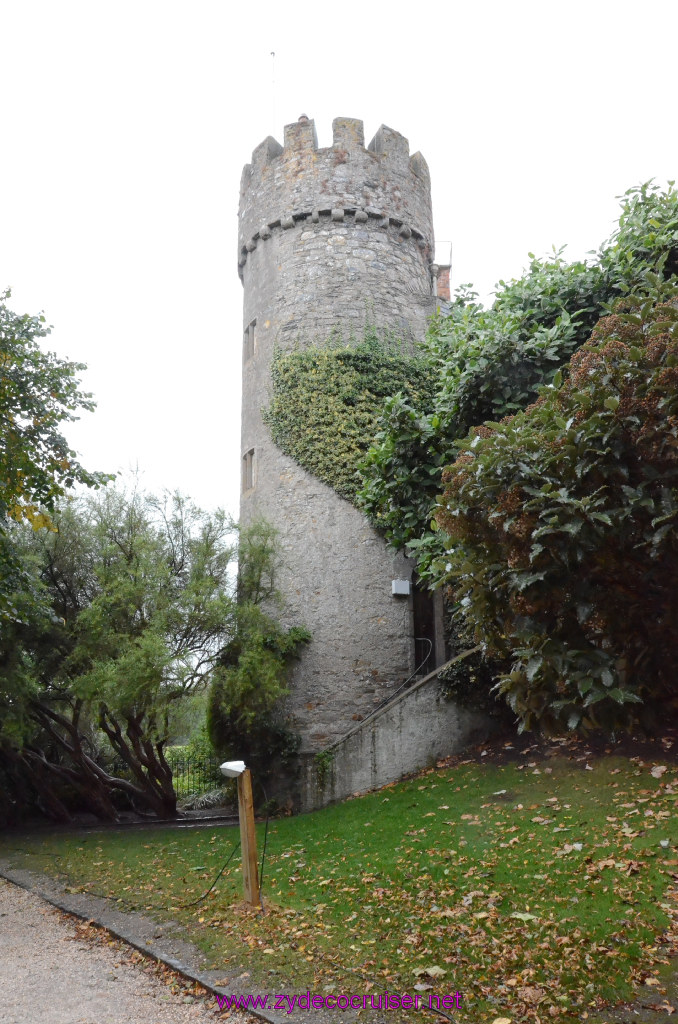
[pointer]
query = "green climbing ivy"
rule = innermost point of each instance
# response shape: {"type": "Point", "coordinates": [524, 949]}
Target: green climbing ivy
{"type": "Point", "coordinates": [326, 401]}
{"type": "Point", "coordinates": [323, 766]}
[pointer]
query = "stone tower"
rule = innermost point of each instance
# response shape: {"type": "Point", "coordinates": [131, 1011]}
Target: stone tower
{"type": "Point", "coordinates": [329, 238]}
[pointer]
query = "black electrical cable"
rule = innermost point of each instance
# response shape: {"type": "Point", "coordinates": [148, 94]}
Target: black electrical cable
{"type": "Point", "coordinates": [175, 906]}
{"type": "Point", "coordinates": [317, 953]}
{"type": "Point", "coordinates": [263, 855]}
{"type": "Point", "coordinates": [184, 906]}
{"type": "Point", "coordinates": [121, 899]}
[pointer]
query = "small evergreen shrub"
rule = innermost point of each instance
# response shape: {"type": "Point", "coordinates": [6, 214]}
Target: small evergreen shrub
{"type": "Point", "coordinates": [243, 711]}
{"type": "Point", "coordinates": [244, 717]}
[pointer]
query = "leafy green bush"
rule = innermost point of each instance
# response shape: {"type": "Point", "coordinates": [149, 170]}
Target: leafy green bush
{"type": "Point", "coordinates": [491, 363]}
{"type": "Point", "coordinates": [560, 529]}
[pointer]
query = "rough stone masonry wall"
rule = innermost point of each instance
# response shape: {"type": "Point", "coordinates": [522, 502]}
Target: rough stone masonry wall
{"type": "Point", "coordinates": [328, 239]}
{"type": "Point", "coordinates": [415, 730]}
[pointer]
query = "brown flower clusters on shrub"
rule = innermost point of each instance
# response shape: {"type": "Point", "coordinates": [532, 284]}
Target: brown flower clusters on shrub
{"type": "Point", "coordinates": [563, 536]}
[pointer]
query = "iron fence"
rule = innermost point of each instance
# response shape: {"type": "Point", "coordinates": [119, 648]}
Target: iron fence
{"type": "Point", "coordinates": [191, 775]}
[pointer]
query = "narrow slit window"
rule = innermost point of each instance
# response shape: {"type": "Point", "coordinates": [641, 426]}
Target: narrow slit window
{"type": "Point", "coordinates": [248, 341]}
{"type": "Point", "coordinates": [248, 470]}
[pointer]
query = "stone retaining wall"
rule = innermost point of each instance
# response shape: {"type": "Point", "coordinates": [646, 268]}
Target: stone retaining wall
{"type": "Point", "coordinates": [414, 731]}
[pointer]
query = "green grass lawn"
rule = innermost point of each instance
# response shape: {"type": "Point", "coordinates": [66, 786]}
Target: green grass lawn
{"type": "Point", "coordinates": [535, 889]}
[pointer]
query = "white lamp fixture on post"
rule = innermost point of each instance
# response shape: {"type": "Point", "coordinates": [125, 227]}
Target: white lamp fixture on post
{"type": "Point", "coordinates": [248, 839]}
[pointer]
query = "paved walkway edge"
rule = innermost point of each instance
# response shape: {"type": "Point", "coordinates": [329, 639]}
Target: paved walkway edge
{"type": "Point", "coordinates": [62, 903]}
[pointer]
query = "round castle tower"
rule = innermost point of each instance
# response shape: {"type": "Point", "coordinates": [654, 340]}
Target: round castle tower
{"type": "Point", "coordinates": [330, 239]}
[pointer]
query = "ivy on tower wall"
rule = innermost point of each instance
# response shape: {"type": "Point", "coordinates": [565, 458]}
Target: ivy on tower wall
{"type": "Point", "coordinates": [325, 403]}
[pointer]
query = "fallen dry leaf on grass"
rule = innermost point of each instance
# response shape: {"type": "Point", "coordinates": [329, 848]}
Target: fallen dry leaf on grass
{"type": "Point", "coordinates": [431, 972]}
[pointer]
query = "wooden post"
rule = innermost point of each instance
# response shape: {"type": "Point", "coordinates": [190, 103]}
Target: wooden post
{"type": "Point", "coordinates": [248, 838]}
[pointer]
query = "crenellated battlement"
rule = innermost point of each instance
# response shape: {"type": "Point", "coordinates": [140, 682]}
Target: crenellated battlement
{"type": "Point", "coordinates": [348, 136]}
{"type": "Point", "coordinates": [380, 185]}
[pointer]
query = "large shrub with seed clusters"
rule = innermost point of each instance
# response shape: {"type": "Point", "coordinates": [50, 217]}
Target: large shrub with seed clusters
{"type": "Point", "coordinates": [560, 526]}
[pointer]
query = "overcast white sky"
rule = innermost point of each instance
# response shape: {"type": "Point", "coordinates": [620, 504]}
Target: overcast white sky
{"type": "Point", "coordinates": [125, 127]}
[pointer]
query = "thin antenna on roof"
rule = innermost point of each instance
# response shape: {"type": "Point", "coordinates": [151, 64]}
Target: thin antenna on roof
{"type": "Point", "coordinates": [275, 116]}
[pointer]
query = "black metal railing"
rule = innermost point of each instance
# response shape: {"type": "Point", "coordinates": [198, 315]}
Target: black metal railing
{"type": "Point", "coordinates": [191, 775]}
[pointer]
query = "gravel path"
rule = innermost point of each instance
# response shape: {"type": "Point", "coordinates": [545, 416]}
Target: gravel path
{"type": "Point", "coordinates": [53, 968]}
